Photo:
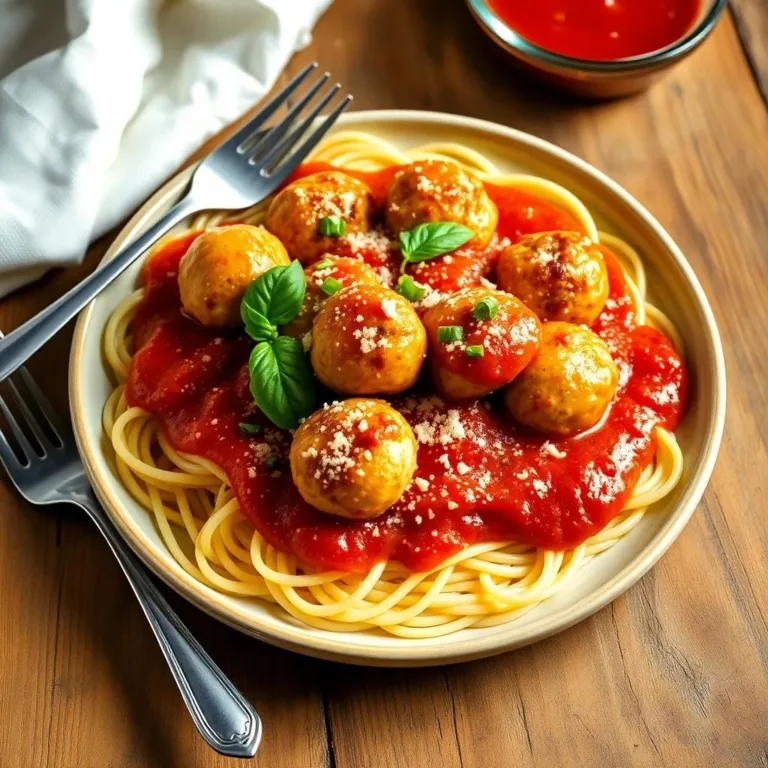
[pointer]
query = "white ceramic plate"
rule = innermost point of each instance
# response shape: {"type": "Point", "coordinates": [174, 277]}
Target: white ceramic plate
{"type": "Point", "coordinates": [672, 286]}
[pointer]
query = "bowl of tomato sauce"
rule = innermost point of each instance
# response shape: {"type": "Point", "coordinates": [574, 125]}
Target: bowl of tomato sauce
{"type": "Point", "coordinates": [597, 48]}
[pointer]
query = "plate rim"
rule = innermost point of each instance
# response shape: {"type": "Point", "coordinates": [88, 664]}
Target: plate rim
{"type": "Point", "coordinates": [409, 653]}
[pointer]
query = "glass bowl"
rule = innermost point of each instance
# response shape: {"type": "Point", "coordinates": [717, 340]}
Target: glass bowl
{"type": "Point", "coordinates": [595, 79]}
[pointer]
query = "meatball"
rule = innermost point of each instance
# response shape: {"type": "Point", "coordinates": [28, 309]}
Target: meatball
{"type": "Point", "coordinates": [435, 190]}
{"type": "Point", "coordinates": [569, 384]}
{"type": "Point", "coordinates": [561, 276]}
{"type": "Point", "coordinates": [368, 340]}
{"type": "Point", "coordinates": [327, 272]}
{"type": "Point", "coordinates": [479, 340]}
{"type": "Point", "coordinates": [296, 212]}
{"type": "Point", "coordinates": [353, 458]}
{"type": "Point", "coordinates": [220, 265]}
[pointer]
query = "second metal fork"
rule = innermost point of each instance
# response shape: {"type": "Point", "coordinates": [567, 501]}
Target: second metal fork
{"type": "Point", "coordinates": [240, 173]}
{"type": "Point", "coordinates": [46, 469]}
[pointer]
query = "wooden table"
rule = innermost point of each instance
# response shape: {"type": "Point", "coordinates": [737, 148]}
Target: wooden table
{"type": "Point", "coordinates": [674, 673]}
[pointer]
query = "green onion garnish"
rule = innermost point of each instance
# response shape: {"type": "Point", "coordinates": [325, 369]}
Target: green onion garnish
{"type": "Point", "coordinates": [410, 289]}
{"type": "Point", "coordinates": [486, 309]}
{"type": "Point", "coordinates": [324, 264]}
{"type": "Point", "coordinates": [330, 286]}
{"type": "Point", "coordinates": [249, 429]}
{"type": "Point", "coordinates": [333, 226]}
{"type": "Point", "coordinates": [476, 350]}
{"type": "Point", "coordinates": [447, 334]}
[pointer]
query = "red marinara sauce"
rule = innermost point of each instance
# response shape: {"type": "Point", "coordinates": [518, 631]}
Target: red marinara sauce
{"type": "Point", "coordinates": [488, 481]}
{"type": "Point", "coordinates": [599, 30]}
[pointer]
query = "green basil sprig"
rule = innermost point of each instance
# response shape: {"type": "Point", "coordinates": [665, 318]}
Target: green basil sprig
{"type": "Point", "coordinates": [281, 377]}
{"type": "Point", "coordinates": [257, 326]}
{"type": "Point", "coordinates": [273, 298]}
{"type": "Point", "coordinates": [281, 381]}
{"type": "Point", "coordinates": [426, 241]}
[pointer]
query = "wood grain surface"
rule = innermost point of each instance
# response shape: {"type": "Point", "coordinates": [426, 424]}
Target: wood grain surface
{"type": "Point", "coordinates": [751, 17]}
{"type": "Point", "coordinates": [674, 673]}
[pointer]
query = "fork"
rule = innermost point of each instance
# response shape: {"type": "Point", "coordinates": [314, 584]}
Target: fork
{"type": "Point", "coordinates": [240, 173]}
{"type": "Point", "coordinates": [48, 470]}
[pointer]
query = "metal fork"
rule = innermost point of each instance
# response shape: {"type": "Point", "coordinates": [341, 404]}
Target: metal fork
{"type": "Point", "coordinates": [240, 173]}
{"type": "Point", "coordinates": [46, 469]}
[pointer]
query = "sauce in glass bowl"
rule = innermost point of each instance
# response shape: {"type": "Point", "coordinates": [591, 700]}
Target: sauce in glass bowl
{"type": "Point", "coordinates": [599, 30]}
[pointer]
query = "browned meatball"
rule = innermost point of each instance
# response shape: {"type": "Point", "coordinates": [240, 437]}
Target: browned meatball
{"type": "Point", "coordinates": [220, 265]}
{"type": "Point", "coordinates": [322, 277]}
{"type": "Point", "coordinates": [569, 384]}
{"type": "Point", "coordinates": [368, 340]}
{"type": "Point", "coordinates": [560, 275]}
{"type": "Point", "coordinates": [296, 212]}
{"type": "Point", "coordinates": [353, 459]}
{"type": "Point", "coordinates": [477, 355]}
{"type": "Point", "coordinates": [435, 190]}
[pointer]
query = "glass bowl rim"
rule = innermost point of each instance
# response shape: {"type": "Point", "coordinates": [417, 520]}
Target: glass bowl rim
{"type": "Point", "coordinates": [501, 30]}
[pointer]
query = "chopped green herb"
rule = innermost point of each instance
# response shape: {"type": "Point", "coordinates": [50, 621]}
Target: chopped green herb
{"type": "Point", "coordinates": [410, 289]}
{"type": "Point", "coordinates": [273, 461]}
{"type": "Point", "coordinates": [486, 309]}
{"type": "Point", "coordinates": [333, 226]}
{"type": "Point", "coordinates": [324, 264]}
{"type": "Point", "coordinates": [249, 429]}
{"type": "Point", "coordinates": [447, 334]}
{"type": "Point", "coordinates": [331, 286]}
{"type": "Point", "coordinates": [476, 350]}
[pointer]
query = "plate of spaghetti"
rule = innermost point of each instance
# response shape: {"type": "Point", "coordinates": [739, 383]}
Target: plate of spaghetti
{"type": "Point", "coordinates": [447, 392]}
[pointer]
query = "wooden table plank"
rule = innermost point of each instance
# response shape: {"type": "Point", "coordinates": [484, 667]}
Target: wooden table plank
{"type": "Point", "coordinates": [395, 717]}
{"type": "Point", "coordinates": [751, 17]}
{"type": "Point", "coordinates": [30, 584]}
{"type": "Point", "coordinates": [673, 673]}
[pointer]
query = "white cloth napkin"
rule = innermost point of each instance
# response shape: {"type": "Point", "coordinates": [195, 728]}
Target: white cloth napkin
{"type": "Point", "coordinates": [119, 94]}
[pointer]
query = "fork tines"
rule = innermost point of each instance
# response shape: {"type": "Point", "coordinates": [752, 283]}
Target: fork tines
{"type": "Point", "coordinates": [35, 430]}
{"type": "Point", "coordinates": [266, 145]}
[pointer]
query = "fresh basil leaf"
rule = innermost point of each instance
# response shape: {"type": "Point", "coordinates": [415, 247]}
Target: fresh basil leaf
{"type": "Point", "coordinates": [333, 226]}
{"type": "Point", "coordinates": [256, 325]}
{"type": "Point", "coordinates": [277, 294]}
{"type": "Point", "coordinates": [281, 381]}
{"type": "Point", "coordinates": [426, 241]}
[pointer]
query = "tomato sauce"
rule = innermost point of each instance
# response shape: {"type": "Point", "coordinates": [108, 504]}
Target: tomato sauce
{"type": "Point", "coordinates": [599, 30]}
{"type": "Point", "coordinates": [488, 481]}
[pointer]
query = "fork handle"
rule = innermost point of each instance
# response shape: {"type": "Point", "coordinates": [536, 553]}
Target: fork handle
{"type": "Point", "coordinates": [17, 347]}
{"type": "Point", "coordinates": [224, 718]}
